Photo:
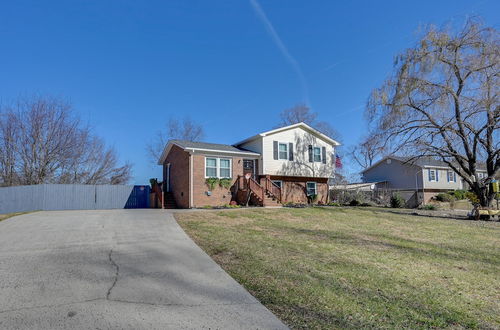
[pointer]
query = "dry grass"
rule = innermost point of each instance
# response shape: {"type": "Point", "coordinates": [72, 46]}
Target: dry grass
{"type": "Point", "coordinates": [355, 267]}
{"type": "Point", "coordinates": [10, 215]}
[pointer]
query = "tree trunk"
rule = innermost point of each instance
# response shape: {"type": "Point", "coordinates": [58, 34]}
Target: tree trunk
{"type": "Point", "coordinates": [484, 194]}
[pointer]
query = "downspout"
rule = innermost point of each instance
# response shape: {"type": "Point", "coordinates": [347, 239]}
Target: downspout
{"type": "Point", "coordinates": [191, 179]}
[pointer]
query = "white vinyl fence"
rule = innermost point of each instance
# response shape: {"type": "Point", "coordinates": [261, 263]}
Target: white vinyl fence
{"type": "Point", "coordinates": [63, 197]}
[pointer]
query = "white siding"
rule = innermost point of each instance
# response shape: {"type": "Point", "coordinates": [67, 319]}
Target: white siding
{"type": "Point", "coordinates": [255, 146]}
{"type": "Point", "coordinates": [300, 166]}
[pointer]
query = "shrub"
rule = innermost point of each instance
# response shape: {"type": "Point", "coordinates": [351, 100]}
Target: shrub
{"type": "Point", "coordinates": [354, 202]}
{"type": "Point", "coordinates": [431, 207]}
{"type": "Point", "coordinates": [225, 183]}
{"type": "Point", "coordinates": [443, 197]}
{"type": "Point", "coordinates": [333, 204]}
{"type": "Point", "coordinates": [458, 194]}
{"type": "Point", "coordinates": [366, 204]}
{"type": "Point", "coordinates": [397, 201]}
{"type": "Point", "coordinates": [472, 197]}
{"type": "Point", "coordinates": [211, 183]}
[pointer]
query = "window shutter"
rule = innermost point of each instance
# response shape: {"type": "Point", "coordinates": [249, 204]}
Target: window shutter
{"type": "Point", "coordinates": [310, 153]}
{"type": "Point", "coordinates": [275, 150]}
{"type": "Point", "coordinates": [323, 155]}
{"type": "Point", "coordinates": [454, 177]}
{"type": "Point", "coordinates": [437, 175]}
{"type": "Point", "coordinates": [290, 151]}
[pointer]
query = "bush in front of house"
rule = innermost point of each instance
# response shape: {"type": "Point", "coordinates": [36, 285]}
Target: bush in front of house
{"type": "Point", "coordinates": [295, 205]}
{"type": "Point", "coordinates": [430, 207]}
{"type": "Point", "coordinates": [458, 194]}
{"type": "Point", "coordinates": [333, 204]}
{"type": "Point", "coordinates": [354, 202]}
{"type": "Point", "coordinates": [444, 197]}
{"type": "Point", "coordinates": [472, 197]}
{"type": "Point", "coordinates": [397, 201]}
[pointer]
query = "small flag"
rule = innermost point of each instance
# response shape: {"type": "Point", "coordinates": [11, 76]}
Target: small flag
{"type": "Point", "coordinates": [338, 162]}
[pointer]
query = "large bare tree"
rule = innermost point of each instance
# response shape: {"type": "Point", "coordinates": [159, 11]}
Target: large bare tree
{"type": "Point", "coordinates": [185, 129]}
{"type": "Point", "coordinates": [442, 101]}
{"type": "Point", "coordinates": [302, 113]}
{"type": "Point", "coordinates": [367, 151]}
{"type": "Point", "coordinates": [42, 140]}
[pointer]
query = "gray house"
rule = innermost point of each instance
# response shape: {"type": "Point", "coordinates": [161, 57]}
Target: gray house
{"type": "Point", "coordinates": [425, 176]}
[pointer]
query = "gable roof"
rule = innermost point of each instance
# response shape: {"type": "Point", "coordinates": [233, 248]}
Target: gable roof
{"type": "Point", "coordinates": [420, 162]}
{"type": "Point", "coordinates": [203, 146]}
{"type": "Point", "coordinates": [285, 128]}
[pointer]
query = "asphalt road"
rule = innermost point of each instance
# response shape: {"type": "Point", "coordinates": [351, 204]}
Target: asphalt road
{"type": "Point", "coordinates": [116, 269]}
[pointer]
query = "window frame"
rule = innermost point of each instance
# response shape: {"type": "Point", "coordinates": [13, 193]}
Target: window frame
{"type": "Point", "coordinates": [453, 177]}
{"type": "Point", "coordinates": [226, 168]}
{"type": "Point", "coordinates": [218, 167]}
{"type": "Point", "coordinates": [320, 155]}
{"type": "Point", "coordinates": [280, 183]}
{"type": "Point", "coordinates": [279, 151]}
{"type": "Point", "coordinates": [315, 188]}
{"type": "Point", "coordinates": [433, 171]}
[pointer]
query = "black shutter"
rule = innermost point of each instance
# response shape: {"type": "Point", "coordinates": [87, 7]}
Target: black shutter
{"type": "Point", "coordinates": [310, 153]}
{"type": "Point", "coordinates": [290, 152]}
{"type": "Point", "coordinates": [275, 150]}
{"type": "Point", "coordinates": [323, 156]}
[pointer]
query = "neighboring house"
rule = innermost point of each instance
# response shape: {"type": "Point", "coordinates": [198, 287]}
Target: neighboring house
{"type": "Point", "coordinates": [426, 175]}
{"type": "Point", "coordinates": [287, 164]}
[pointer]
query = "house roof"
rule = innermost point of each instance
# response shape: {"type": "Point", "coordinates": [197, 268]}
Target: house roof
{"type": "Point", "coordinates": [203, 146]}
{"type": "Point", "coordinates": [284, 128]}
{"type": "Point", "coordinates": [420, 162]}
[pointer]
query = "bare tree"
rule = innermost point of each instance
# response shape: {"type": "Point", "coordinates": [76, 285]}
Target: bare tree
{"type": "Point", "coordinates": [364, 154]}
{"type": "Point", "coordinates": [302, 113]}
{"type": "Point", "coordinates": [442, 101]}
{"type": "Point", "coordinates": [187, 129]}
{"type": "Point", "coordinates": [43, 141]}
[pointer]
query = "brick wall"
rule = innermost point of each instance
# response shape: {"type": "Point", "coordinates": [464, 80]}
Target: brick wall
{"type": "Point", "coordinates": [219, 195]}
{"type": "Point", "coordinates": [179, 175]}
{"type": "Point", "coordinates": [294, 188]}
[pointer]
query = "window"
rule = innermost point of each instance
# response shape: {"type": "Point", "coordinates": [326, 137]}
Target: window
{"type": "Point", "coordinates": [481, 175]}
{"type": "Point", "coordinates": [217, 167]}
{"type": "Point", "coordinates": [311, 188]}
{"type": "Point", "coordinates": [225, 168]}
{"type": "Point", "coordinates": [432, 175]}
{"type": "Point", "coordinates": [451, 176]}
{"type": "Point", "coordinates": [283, 151]}
{"type": "Point", "coordinates": [317, 154]}
{"type": "Point", "coordinates": [278, 183]}
{"type": "Point", "coordinates": [211, 167]}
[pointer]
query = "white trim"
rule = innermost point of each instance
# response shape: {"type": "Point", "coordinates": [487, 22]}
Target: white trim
{"type": "Point", "coordinates": [315, 187]}
{"type": "Point", "coordinates": [286, 144]}
{"type": "Point", "coordinates": [218, 168]}
{"type": "Point", "coordinates": [191, 188]}
{"type": "Point", "coordinates": [226, 152]}
{"type": "Point", "coordinates": [280, 181]}
{"type": "Point", "coordinates": [320, 154]}
{"type": "Point", "coordinates": [169, 145]}
{"type": "Point", "coordinates": [285, 128]}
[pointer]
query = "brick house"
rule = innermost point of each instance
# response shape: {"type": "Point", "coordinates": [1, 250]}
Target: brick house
{"type": "Point", "coordinates": [287, 164]}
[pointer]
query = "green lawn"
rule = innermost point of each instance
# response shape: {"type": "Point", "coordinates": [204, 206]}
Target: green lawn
{"type": "Point", "coordinates": [358, 267]}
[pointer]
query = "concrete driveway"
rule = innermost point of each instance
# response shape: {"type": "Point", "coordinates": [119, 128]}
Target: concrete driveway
{"type": "Point", "coordinates": [116, 269]}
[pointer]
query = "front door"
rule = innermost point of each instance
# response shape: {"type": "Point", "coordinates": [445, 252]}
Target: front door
{"type": "Point", "coordinates": [249, 167]}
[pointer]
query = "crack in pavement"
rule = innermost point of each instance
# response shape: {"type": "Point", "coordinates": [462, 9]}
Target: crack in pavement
{"type": "Point", "coordinates": [117, 271]}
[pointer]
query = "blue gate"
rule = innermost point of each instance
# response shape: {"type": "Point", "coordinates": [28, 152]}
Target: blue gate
{"type": "Point", "coordinates": [139, 198]}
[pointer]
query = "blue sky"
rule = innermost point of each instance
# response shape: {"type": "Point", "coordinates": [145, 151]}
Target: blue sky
{"type": "Point", "coordinates": [127, 66]}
